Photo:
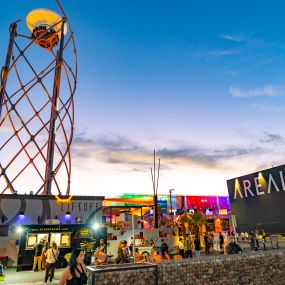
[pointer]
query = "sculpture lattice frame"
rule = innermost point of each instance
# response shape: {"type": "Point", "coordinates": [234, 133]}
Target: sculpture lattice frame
{"type": "Point", "coordinates": [37, 110]}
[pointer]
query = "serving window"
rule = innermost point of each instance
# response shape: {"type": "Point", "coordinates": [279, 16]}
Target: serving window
{"type": "Point", "coordinates": [61, 239]}
{"type": "Point", "coordinates": [33, 239]}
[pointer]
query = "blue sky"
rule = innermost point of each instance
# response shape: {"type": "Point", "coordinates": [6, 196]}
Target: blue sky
{"type": "Point", "coordinates": [202, 82]}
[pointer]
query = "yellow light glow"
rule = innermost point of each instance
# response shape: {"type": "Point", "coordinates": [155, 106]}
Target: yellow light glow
{"type": "Point", "coordinates": [237, 184]}
{"type": "Point", "coordinates": [63, 200]}
{"type": "Point", "coordinates": [45, 17]}
{"type": "Point", "coordinates": [261, 180]}
{"type": "Point", "coordinates": [223, 211]}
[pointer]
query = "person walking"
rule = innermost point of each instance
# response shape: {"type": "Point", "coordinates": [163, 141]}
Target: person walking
{"type": "Point", "coordinates": [51, 258]}
{"type": "Point", "coordinates": [38, 256]}
{"type": "Point", "coordinates": [75, 272]}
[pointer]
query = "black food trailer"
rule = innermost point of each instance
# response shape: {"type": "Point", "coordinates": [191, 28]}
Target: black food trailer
{"type": "Point", "coordinates": [67, 238]}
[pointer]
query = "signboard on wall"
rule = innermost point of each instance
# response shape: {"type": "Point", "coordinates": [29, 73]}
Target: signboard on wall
{"type": "Point", "coordinates": [30, 209]}
{"type": "Point", "coordinates": [257, 200]}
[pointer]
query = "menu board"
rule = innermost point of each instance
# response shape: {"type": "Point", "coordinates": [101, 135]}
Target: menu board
{"type": "Point", "coordinates": [65, 239]}
{"type": "Point", "coordinates": [61, 239]}
{"type": "Point", "coordinates": [32, 240]}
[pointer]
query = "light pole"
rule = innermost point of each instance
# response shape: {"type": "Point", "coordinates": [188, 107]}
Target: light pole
{"type": "Point", "coordinates": [134, 237]}
{"type": "Point", "coordinates": [170, 198]}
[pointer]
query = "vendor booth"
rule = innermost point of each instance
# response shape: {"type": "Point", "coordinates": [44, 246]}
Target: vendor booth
{"type": "Point", "coordinates": [67, 238]}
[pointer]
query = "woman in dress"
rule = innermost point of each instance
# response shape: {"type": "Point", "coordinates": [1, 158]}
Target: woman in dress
{"type": "Point", "coordinates": [75, 272]}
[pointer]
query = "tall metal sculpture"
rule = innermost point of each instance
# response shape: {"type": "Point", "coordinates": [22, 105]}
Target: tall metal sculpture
{"type": "Point", "coordinates": [38, 83]}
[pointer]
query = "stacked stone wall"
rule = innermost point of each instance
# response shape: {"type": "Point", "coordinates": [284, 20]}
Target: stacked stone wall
{"type": "Point", "coordinates": [258, 268]}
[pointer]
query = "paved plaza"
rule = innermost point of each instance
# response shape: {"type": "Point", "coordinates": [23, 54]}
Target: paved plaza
{"type": "Point", "coordinates": [29, 277]}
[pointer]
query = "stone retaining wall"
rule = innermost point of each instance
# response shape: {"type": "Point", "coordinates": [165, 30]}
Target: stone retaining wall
{"type": "Point", "coordinates": [262, 268]}
{"type": "Point", "coordinates": [144, 276]}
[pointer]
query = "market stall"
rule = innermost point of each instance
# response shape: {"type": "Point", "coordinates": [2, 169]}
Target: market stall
{"type": "Point", "coordinates": [67, 237]}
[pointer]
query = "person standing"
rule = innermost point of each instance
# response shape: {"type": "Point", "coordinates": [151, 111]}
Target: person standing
{"type": "Point", "coordinates": [222, 240]}
{"type": "Point", "coordinates": [181, 247]}
{"type": "Point", "coordinates": [139, 257]}
{"type": "Point", "coordinates": [51, 255]}
{"type": "Point", "coordinates": [207, 244]}
{"type": "Point", "coordinates": [187, 246]}
{"type": "Point", "coordinates": [126, 252]}
{"type": "Point", "coordinates": [211, 242]}
{"type": "Point", "coordinates": [75, 272]}
{"type": "Point", "coordinates": [38, 256]}
{"type": "Point", "coordinates": [101, 253]}
{"type": "Point", "coordinates": [197, 245]}
{"type": "Point", "coordinates": [121, 258]}
{"type": "Point", "coordinates": [264, 239]}
{"type": "Point", "coordinates": [164, 247]}
{"type": "Point", "coordinates": [253, 244]}
{"type": "Point", "coordinates": [45, 248]}
{"type": "Point", "coordinates": [242, 234]}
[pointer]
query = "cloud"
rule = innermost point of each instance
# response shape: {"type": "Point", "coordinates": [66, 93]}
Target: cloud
{"type": "Point", "coordinates": [235, 38]}
{"type": "Point", "coordinates": [217, 53]}
{"type": "Point", "coordinates": [271, 138]}
{"type": "Point", "coordinates": [127, 155]}
{"type": "Point", "coordinates": [268, 90]}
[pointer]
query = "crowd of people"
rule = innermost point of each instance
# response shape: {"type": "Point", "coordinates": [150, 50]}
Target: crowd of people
{"type": "Point", "coordinates": [46, 258]}
{"type": "Point", "coordinates": [187, 247]}
{"type": "Point", "coordinates": [223, 243]}
{"type": "Point", "coordinates": [46, 255]}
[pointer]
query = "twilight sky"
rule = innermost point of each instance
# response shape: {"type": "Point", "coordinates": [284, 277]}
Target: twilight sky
{"type": "Point", "coordinates": [202, 82]}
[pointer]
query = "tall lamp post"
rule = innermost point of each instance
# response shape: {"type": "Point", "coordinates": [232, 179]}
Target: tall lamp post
{"type": "Point", "coordinates": [171, 212]}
